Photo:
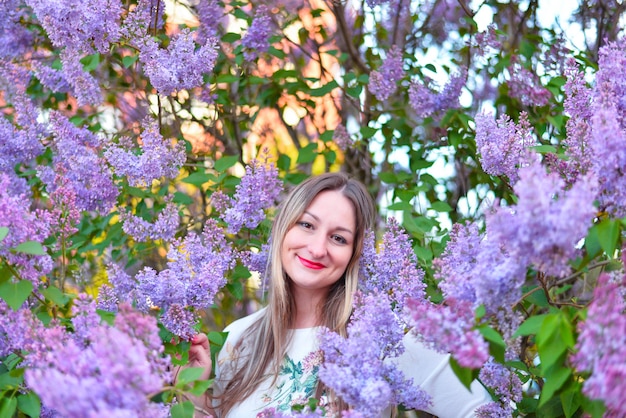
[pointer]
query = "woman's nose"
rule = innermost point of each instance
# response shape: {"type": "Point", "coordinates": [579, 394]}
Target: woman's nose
{"type": "Point", "coordinates": [317, 246]}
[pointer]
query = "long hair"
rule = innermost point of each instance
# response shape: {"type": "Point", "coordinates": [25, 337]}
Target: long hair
{"type": "Point", "coordinates": [262, 347]}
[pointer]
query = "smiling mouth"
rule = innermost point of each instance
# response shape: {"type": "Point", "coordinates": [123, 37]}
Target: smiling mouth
{"type": "Point", "coordinates": [311, 264]}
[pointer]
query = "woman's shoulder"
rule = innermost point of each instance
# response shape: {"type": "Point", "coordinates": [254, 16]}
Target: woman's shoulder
{"type": "Point", "coordinates": [238, 327]}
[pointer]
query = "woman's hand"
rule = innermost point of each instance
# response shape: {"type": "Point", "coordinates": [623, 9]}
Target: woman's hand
{"type": "Point", "coordinates": [200, 355]}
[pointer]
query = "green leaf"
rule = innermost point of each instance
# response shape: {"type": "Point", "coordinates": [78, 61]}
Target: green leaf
{"type": "Point", "coordinates": [571, 400]}
{"type": "Point", "coordinates": [225, 163]}
{"type": "Point", "coordinates": [553, 382]}
{"type": "Point", "coordinates": [368, 132]}
{"type": "Point", "coordinates": [129, 60]}
{"type": "Point", "coordinates": [497, 346]}
{"type": "Point", "coordinates": [231, 37]}
{"type": "Point", "coordinates": [530, 326]}
{"type": "Point", "coordinates": [198, 178]}
{"type": "Point", "coordinates": [189, 375]}
{"type": "Point", "coordinates": [440, 206]}
{"type": "Point", "coordinates": [11, 379]}
{"type": "Point", "coordinates": [324, 90]}
{"type": "Point", "coordinates": [284, 162]}
{"type": "Point", "coordinates": [400, 206]}
{"type": "Point", "coordinates": [465, 375]}
{"type": "Point", "coordinates": [182, 198]}
{"type": "Point", "coordinates": [608, 234]}
{"type": "Point", "coordinates": [554, 338]}
{"type": "Point", "coordinates": [29, 404]}
{"type": "Point", "coordinates": [307, 154]}
{"type": "Point", "coordinates": [14, 294]}
{"type": "Point", "coordinates": [200, 387]}
{"type": "Point", "coordinates": [182, 410]}
{"type": "Point", "coordinates": [8, 406]}
{"type": "Point", "coordinates": [4, 231]}
{"type": "Point", "coordinates": [5, 273]}
{"type": "Point", "coordinates": [55, 295]}
{"type": "Point", "coordinates": [544, 149]}
{"type": "Point", "coordinates": [30, 247]}
{"type": "Point", "coordinates": [90, 62]}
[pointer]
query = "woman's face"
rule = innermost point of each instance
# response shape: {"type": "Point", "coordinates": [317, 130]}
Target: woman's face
{"type": "Point", "coordinates": [317, 249]}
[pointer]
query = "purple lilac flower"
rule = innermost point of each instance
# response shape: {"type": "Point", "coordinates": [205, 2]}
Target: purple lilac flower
{"type": "Point", "coordinates": [601, 346]}
{"type": "Point", "coordinates": [210, 13]}
{"type": "Point", "coordinates": [159, 157]}
{"type": "Point", "coordinates": [341, 138]}
{"type": "Point", "coordinates": [577, 105]}
{"type": "Point", "coordinates": [447, 328]}
{"type": "Point", "coordinates": [145, 17]}
{"type": "Point", "coordinates": [163, 228]}
{"type": "Point", "coordinates": [608, 139]}
{"type": "Point", "coordinates": [84, 319]}
{"type": "Point", "coordinates": [505, 384]}
{"type": "Point", "coordinates": [248, 205]}
{"type": "Point", "coordinates": [180, 66]}
{"type": "Point", "coordinates": [65, 215]}
{"type": "Point", "coordinates": [115, 375]}
{"type": "Point", "coordinates": [15, 39]}
{"type": "Point", "coordinates": [426, 102]}
{"type": "Point", "coordinates": [393, 270]}
{"type": "Point", "coordinates": [17, 329]}
{"type": "Point", "coordinates": [257, 37]}
{"type": "Point", "coordinates": [383, 82]}
{"type": "Point", "coordinates": [374, 3]}
{"type": "Point", "coordinates": [354, 367]}
{"type": "Point", "coordinates": [494, 410]}
{"type": "Point", "coordinates": [52, 79]}
{"type": "Point", "coordinates": [76, 155]}
{"type": "Point", "coordinates": [24, 225]}
{"type": "Point", "coordinates": [17, 145]}
{"type": "Point", "coordinates": [503, 145]}
{"type": "Point", "coordinates": [195, 272]}
{"type": "Point", "coordinates": [486, 40]}
{"type": "Point", "coordinates": [526, 86]}
{"type": "Point", "coordinates": [444, 17]}
{"type": "Point", "coordinates": [547, 222]}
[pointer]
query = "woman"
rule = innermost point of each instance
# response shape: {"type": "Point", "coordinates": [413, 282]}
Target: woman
{"type": "Point", "coordinates": [317, 239]}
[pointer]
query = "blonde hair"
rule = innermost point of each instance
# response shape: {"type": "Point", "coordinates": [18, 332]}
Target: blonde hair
{"type": "Point", "coordinates": [263, 345]}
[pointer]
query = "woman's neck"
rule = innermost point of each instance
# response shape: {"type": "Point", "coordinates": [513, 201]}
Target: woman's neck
{"type": "Point", "coordinates": [309, 308]}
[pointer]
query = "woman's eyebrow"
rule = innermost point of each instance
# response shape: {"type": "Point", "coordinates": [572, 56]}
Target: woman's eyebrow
{"type": "Point", "coordinates": [339, 228]}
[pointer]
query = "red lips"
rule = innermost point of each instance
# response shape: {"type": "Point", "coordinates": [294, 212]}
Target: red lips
{"type": "Point", "coordinates": [311, 264]}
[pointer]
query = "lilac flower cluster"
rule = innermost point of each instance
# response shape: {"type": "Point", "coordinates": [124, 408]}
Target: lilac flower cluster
{"type": "Point", "coordinates": [55, 80]}
{"type": "Point", "coordinates": [257, 37]}
{"type": "Point", "coordinates": [18, 329]}
{"type": "Point", "coordinates": [76, 155]}
{"type": "Point", "coordinates": [341, 137]}
{"type": "Point", "coordinates": [195, 273]}
{"type": "Point", "coordinates": [354, 367]}
{"type": "Point", "coordinates": [393, 270]}
{"type": "Point", "coordinates": [105, 371]}
{"type": "Point", "coordinates": [15, 39]}
{"type": "Point", "coordinates": [248, 206]}
{"type": "Point", "coordinates": [547, 222]}
{"type": "Point", "coordinates": [488, 39]}
{"type": "Point", "coordinates": [425, 102]}
{"type": "Point", "coordinates": [447, 328]}
{"type": "Point", "coordinates": [608, 139]}
{"type": "Point", "coordinates": [210, 14]}
{"type": "Point", "coordinates": [374, 3]}
{"type": "Point", "coordinates": [17, 145]}
{"type": "Point", "coordinates": [601, 346]}
{"type": "Point", "coordinates": [526, 86]}
{"type": "Point", "coordinates": [163, 228]}
{"type": "Point", "coordinates": [159, 157]}
{"type": "Point", "coordinates": [503, 145]}
{"type": "Point", "coordinates": [477, 269]}
{"type": "Point", "coordinates": [24, 225]}
{"type": "Point", "coordinates": [180, 66]}
{"type": "Point", "coordinates": [383, 82]}
{"type": "Point", "coordinates": [506, 385]}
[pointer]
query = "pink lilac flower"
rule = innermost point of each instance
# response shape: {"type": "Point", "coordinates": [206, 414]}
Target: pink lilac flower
{"type": "Point", "coordinates": [393, 270]}
{"type": "Point", "coordinates": [547, 222]}
{"type": "Point", "coordinates": [77, 154]}
{"type": "Point", "coordinates": [608, 139]}
{"type": "Point", "coordinates": [425, 101]}
{"type": "Point", "coordinates": [248, 205]}
{"type": "Point", "coordinates": [24, 225]}
{"type": "Point", "coordinates": [115, 375]}
{"type": "Point", "coordinates": [257, 37]}
{"type": "Point", "coordinates": [341, 138]}
{"type": "Point", "coordinates": [354, 367]}
{"type": "Point", "coordinates": [383, 82]}
{"type": "Point", "coordinates": [526, 86]}
{"type": "Point", "coordinates": [448, 328]}
{"type": "Point", "coordinates": [503, 145]}
{"type": "Point", "coordinates": [164, 227]}
{"type": "Point", "coordinates": [601, 346]}
{"type": "Point", "coordinates": [159, 157]}
{"type": "Point", "coordinates": [181, 66]}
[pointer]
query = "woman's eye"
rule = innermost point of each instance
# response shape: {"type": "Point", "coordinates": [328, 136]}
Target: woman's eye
{"type": "Point", "coordinates": [339, 239]}
{"type": "Point", "coordinates": [306, 225]}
